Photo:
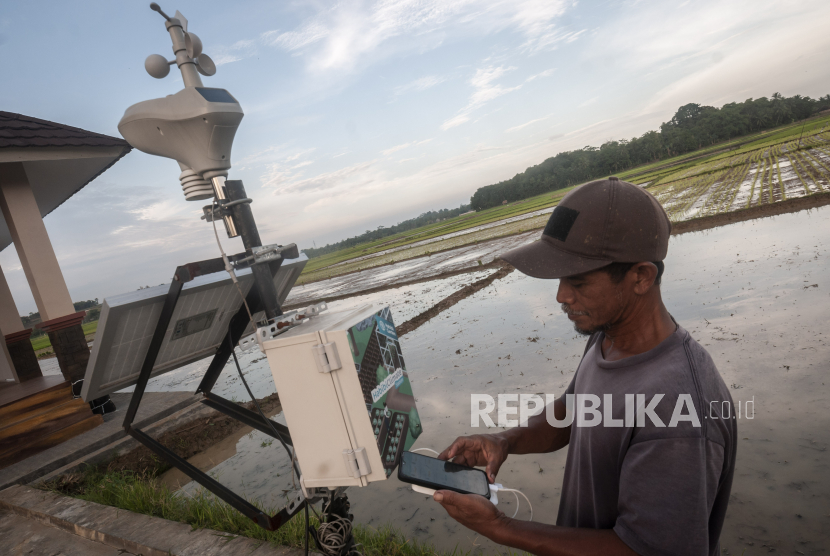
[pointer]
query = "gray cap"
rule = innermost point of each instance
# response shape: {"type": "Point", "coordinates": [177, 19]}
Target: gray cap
{"type": "Point", "coordinates": [596, 224]}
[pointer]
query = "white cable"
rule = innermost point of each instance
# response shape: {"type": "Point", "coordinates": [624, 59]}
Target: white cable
{"type": "Point", "coordinates": [230, 271]}
{"type": "Point", "coordinates": [228, 266]}
{"type": "Point", "coordinates": [514, 491]}
{"type": "Point", "coordinates": [426, 450]}
{"type": "Point", "coordinates": [334, 534]}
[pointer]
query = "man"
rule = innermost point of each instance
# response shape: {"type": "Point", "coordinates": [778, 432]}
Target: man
{"type": "Point", "coordinates": [652, 479]}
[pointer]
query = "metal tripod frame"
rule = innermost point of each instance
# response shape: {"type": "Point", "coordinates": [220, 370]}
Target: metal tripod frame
{"type": "Point", "coordinates": [236, 327]}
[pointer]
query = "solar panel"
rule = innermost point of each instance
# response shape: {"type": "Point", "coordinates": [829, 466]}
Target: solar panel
{"type": "Point", "coordinates": [199, 325]}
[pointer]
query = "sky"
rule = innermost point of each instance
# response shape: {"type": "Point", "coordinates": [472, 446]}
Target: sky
{"type": "Point", "coordinates": [362, 114]}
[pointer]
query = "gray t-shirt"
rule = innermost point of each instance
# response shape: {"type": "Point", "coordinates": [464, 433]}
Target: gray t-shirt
{"type": "Point", "coordinates": [663, 490]}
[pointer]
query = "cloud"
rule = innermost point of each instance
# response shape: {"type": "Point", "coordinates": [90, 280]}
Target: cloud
{"type": "Point", "coordinates": [421, 84]}
{"type": "Point", "coordinates": [536, 19]}
{"type": "Point", "coordinates": [546, 73]}
{"type": "Point", "coordinates": [310, 33]}
{"type": "Point", "coordinates": [299, 154]}
{"type": "Point", "coordinates": [339, 37]}
{"type": "Point", "coordinates": [485, 90]}
{"type": "Point", "coordinates": [286, 184]}
{"type": "Point", "coordinates": [237, 51]}
{"type": "Point", "coordinates": [588, 102]}
{"type": "Point", "coordinates": [455, 121]}
{"type": "Point", "coordinates": [397, 148]}
{"type": "Point", "coordinates": [524, 125]}
{"type": "Point", "coordinates": [162, 211]}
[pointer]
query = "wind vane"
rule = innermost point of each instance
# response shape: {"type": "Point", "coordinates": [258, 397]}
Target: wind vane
{"type": "Point", "coordinates": [195, 126]}
{"type": "Point", "coordinates": [187, 47]}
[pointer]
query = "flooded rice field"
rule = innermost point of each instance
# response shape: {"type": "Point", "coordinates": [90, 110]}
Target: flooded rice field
{"type": "Point", "coordinates": [763, 176]}
{"type": "Point", "coordinates": [759, 177]}
{"type": "Point", "coordinates": [755, 294]}
{"type": "Point", "coordinates": [525, 216]}
{"type": "Point", "coordinates": [423, 267]}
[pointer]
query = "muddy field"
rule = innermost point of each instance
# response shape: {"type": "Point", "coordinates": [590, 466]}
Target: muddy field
{"type": "Point", "coordinates": [754, 293]}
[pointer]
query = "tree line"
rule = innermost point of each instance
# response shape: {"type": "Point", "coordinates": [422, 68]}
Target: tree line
{"type": "Point", "coordinates": [692, 127]}
{"type": "Point", "coordinates": [429, 217]}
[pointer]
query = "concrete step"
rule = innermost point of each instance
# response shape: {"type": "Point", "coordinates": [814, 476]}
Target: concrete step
{"type": "Point", "coordinates": [71, 524]}
{"type": "Point", "coordinates": [155, 407]}
{"type": "Point", "coordinates": [33, 538]}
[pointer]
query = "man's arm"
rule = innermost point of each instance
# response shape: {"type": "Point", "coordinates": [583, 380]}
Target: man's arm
{"type": "Point", "coordinates": [538, 437]}
{"type": "Point", "coordinates": [490, 450]}
{"type": "Point", "coordinates": [479, 514]}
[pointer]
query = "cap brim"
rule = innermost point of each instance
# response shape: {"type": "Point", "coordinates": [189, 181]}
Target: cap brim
{"type": "Point", "coordinates": [542, 259]}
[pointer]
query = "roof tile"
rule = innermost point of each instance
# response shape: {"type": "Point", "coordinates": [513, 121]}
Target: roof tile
{"type": "Point", "coordinates": [17, 130]}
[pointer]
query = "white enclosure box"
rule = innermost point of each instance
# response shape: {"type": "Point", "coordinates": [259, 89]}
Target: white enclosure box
{"type": "Point", "coordinates": [346, 396]}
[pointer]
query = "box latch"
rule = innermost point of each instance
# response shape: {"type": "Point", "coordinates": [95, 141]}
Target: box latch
{"type": "Point", "coordinates": [327, 358]}
{"type": "Point", "coordinates": [357, 462]}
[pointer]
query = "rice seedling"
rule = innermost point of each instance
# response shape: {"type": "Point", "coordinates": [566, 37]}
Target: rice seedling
{"type": "Point", "coordinates": [755, 179]}
{"type": "Point", "coordinates": [797, 173]}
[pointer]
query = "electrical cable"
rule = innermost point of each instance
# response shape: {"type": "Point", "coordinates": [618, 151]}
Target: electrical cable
{"type": "Point", "coordinates": [229, 270]}
{"type": "Point", "coordinates": [425, 450]}
{"type": "Point", "coordinates": [228, 266]}
{"type": "Point", "coordinates": [306, 529]}
{"type": "Point", "coordinates": [335, 534]}
{"type": "Point", "coordinates": [516, 493]}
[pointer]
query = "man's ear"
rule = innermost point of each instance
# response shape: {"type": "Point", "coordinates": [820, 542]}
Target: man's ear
{"type": "Point", "coordinates": [644, 275]}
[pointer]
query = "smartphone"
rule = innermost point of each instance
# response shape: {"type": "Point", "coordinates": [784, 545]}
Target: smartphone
{"type": "Point", "coordinates": [437, 474]}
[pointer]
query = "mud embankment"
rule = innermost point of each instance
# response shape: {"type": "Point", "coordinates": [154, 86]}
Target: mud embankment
{"type": "Point", "coordinates": [742, 215]}
{"type": "Point", "coordinates": [454, 298]}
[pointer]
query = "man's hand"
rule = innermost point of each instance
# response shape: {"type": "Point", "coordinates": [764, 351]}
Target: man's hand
{"type": "Point", "coordinates": [480, 515]}
{"type": "Point", "coordinates": [472, 511]}
{"type": "Point", "coordinates": [478, 450]}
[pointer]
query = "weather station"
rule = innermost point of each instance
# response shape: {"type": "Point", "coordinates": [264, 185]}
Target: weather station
{"type": "Point", "coordinates": [340, 375]}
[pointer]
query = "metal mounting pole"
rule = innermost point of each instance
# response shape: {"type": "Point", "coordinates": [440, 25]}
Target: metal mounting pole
{"type": "Point", "coordinates": [245, 224]}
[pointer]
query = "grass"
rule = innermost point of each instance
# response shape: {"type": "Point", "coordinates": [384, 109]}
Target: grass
{"type": "Point", "coordinates": [143, 495]}
{"type": "Point", "coordinates": [42, 342]}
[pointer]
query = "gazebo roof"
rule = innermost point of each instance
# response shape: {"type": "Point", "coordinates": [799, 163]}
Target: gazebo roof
{"type": "Point", "coordinates": [59, 160]}
{"type": "Point", "coordinates": [17, 130]}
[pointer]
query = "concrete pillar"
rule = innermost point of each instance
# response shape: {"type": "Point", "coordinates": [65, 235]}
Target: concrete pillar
{"type": "Point", "coordinates": [22, 361]}
{"type": "Point", "coordinates": [69, 343]}
{"type": "Point", "coordinates": [60, 321]}
{"type": "Point", "coordinates": [9, 315]}
{"type": "Point", "coordinates": [32, 243]}
{"type": "Point", "coordinates": [7, 370]}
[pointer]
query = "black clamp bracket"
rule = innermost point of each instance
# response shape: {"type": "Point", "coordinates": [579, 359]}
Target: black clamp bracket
{"type": "Point", "coordinates": [267, 254]}
{"type": "Point", "coordinates": [222, 209]}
